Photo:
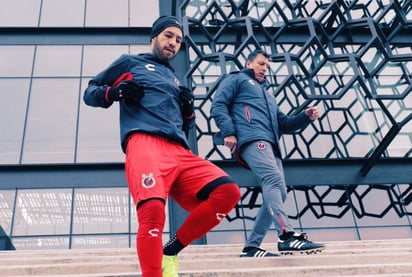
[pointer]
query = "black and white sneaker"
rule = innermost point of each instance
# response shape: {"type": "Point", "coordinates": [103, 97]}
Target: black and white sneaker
{"type": "Point", "coordinates": [299, 243]}
{"type": "Point", "coordinates": [256, 252]}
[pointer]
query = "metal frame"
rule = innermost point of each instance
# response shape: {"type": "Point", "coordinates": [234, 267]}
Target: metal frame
{"type": "Point", "coordinates": [344, 172]}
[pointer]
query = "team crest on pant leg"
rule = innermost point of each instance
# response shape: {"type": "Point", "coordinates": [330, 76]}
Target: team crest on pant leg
{"type": "Point", "coordinates": [148, 181]}
{"type": "Point", "coordinates": [261, 145]}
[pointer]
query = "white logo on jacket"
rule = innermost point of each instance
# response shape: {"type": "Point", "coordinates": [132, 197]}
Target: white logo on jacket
{"type": "Point", "coordinates": [253, 83]}
{"type": "Point", "coordinates": [150, 67]}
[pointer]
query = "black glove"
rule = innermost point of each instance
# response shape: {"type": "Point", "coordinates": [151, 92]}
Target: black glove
{"type": "Point", "coordinates": [187, 100]}
{"type": "Point", "coordinates": [129, 91]}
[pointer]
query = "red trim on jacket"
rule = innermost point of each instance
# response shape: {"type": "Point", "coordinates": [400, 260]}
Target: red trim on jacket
{"type": "Point", "coordinates": [125, 76]}
{"type": "Point", "coordinates": [190, 116]}
{"type": "Point", "coordinates": [106, 96]}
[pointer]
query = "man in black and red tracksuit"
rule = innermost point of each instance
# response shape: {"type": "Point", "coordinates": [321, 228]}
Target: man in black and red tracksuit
{"type": "Point", "coordinates": [154, 111]}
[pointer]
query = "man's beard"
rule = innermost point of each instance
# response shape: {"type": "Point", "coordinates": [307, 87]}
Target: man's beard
{"type": "Point", "coordinates": [157, 51]}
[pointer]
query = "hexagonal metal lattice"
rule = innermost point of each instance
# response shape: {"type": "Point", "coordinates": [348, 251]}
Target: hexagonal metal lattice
{"type": "Point", "coordinates": [353, 59]}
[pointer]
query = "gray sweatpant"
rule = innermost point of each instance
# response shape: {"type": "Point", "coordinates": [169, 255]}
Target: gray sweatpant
{"type": "Point", "coordinates": [269, 172]}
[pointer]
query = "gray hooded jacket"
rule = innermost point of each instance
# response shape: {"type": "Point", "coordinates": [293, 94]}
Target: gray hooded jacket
{"type": "Point", "coordinates": [242, 107]}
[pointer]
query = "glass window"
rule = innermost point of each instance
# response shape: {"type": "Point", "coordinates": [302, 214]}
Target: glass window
{"type": "Point", "coordinates": [57, 61]}
{"type": "Point", "coordinates": [107, 13]}
{"type": "Point", "coordinates": [133, 218]}
{"type": "Point", "coordinates": [97, 58]}
{"type": "Point", "coordinates": [52, 119]}
{"type": "Point", "coordinates": [143, 13]}
{"type": "Point", "coordinates": [16, 61]}
{"type": "Point", "coordinates": [100, 241]}
{"type": "Point", "coordinates": [122, 13]}
{"type": "Point", "coordinates": [12, 119]}
{"type": "Point", "coordinates": [20, 13]}
{"type": "Point", "coordinates": [62, 13]}
{"type": "Point", "coordinates": [101, 211]}
{"type": "Point", "coordinates": [136, 49]}
{"type": "Point", "coordinates": [37, 243]}
{"type": "Point", "coordinates": [99, 134]}
{"type": "Point", "coordinates": [6, 209]}
{"type": "Point", "coordinates": [99, 130]}
{"type": "Point", "coordinates": [42, 212]}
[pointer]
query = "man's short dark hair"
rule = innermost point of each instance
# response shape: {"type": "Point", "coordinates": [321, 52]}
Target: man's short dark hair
{"type": "Point", "coordinates": [252, 56]}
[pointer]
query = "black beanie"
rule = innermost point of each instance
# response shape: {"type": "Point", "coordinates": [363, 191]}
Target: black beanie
{"type": "Point", "coordinates": [162, 23]}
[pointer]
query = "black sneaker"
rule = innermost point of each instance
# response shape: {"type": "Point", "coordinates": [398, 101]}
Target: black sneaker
{"type": "Point", "coordinates": [256, 252]}
{"type": "Point", "coordinates": [299, 244]}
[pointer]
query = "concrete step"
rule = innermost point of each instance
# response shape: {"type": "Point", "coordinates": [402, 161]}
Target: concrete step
{"type": "Point", "coordinates": [346, 258]}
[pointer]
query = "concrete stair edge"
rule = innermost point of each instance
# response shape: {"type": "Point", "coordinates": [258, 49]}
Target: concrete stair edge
{"type": "Point", "coordinates": [383, 258]}
{"type": "Point", "coordinates": [363, 243]}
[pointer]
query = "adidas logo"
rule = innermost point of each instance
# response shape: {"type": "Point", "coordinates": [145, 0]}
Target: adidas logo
{"type": "Point", "coordinates": [259, 253]}
{"type": "Point", "coordinates": [297, 244]}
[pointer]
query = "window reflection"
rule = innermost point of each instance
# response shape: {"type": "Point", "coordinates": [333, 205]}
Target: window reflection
{"type": "Point", "coordinates": [36, 243]}
{"type": "Point", "coordinates": [107, 13]}
{"type": "Point", "coordinates": [16, 61]}
{"type": "Point", "coordinates": [101, 211]}
{"type": "Point", "coordinates": [98, 133]}
{"type": "Point", "coordinates": [98, 57]}
{"type": "Point", "coordinates": [139, 15]}
{"type": "Point", "coordinates": [12, 14]}
{"type": "Point", "coordinates": [12, 119]}
{"type": "Point", "coordinates": [51, 123]}
{"type": "Point", "coordinates": [51, 219]}
{"type": "Point", "coordinates": [57, 60]}
{"type": "Point", "coordinates": [99, 241]}
{"type": "Point", "coordinates": [98, 136]}
{"type": "Point", "coordinates": [62, 13]}
{"type": "Point", "coordinates": [74, 13]}
{"type": "Point", "coordinates": [6, 209]}
{"type": "Point", "coordinates": [42, 212]}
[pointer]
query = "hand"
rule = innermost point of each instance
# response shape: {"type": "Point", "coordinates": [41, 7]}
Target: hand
{"type": "Point", "coordinates": [187, 99]}
{"type": "Point", "coordinates": [129, 91]}
{"type": "Point", "coordinates": [231, 143]}
{"type": "Point", "coordinates": [312, 113]}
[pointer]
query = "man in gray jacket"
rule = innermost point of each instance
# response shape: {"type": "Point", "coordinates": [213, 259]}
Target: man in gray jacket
{"type": "Point", "coordinates": [251, 125]}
